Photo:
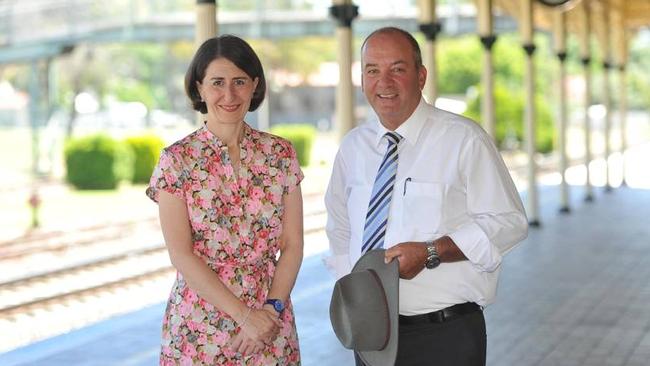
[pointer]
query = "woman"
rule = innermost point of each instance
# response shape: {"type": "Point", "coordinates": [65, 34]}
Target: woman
{"type": "Point", "coordinates": [229, 200]}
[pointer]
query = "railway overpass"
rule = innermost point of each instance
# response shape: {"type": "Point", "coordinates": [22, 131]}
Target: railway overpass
{"type": "Point", "coordinates": [55, 27]}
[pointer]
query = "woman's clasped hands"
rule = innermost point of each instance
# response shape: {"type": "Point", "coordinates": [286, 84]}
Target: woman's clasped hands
{"type": "Point", "coordinates": [259, 327]}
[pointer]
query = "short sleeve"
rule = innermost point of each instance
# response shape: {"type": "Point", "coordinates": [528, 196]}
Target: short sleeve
{"type": "Point", "coordinates": [167, 176]}
{"type": "Point", "coordinates": [293, 172]}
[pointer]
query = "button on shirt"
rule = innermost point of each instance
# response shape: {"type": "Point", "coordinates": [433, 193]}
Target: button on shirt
{"type": "Point", "coordinates": [451, 180]}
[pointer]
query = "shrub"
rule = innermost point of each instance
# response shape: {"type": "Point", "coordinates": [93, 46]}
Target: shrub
{"type": "Point", "coordinates": [509, 118]}
{"type": "Point", "coordinates": [301, 136]}
{"type": "Point", "coordinates": [97, 162]}
{"type": "Point", "coordinates": [146, 150]}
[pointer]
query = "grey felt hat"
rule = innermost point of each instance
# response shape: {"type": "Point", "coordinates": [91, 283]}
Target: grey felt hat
{"type": "Point", "coordinates": [365, 307]}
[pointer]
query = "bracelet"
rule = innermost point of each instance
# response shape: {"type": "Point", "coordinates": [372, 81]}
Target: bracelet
{"type": "Point", "coordinates": [245, 318]}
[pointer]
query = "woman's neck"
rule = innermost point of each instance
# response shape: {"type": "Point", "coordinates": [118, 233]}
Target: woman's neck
{"type": "Point", "coordinates": [228, 134]}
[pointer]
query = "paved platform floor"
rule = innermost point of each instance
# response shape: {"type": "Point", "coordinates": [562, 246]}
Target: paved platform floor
{"type": "Point", "coordinates": [576, 292]}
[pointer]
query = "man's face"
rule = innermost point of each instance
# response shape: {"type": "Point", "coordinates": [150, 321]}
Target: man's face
{"type": "Point", "coordinates": [390, 79]}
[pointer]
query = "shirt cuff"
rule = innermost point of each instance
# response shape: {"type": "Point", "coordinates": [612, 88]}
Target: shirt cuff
{"type": "Point", "coordinates": [476, 246]}
{"type": "Point", "coordinates": [337, 265]}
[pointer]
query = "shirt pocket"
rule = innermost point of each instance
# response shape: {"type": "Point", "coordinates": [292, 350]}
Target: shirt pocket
{"type": "Point", "coordinates": [357, 209]}
{"type": "Point", "coordinates": [423, 205]}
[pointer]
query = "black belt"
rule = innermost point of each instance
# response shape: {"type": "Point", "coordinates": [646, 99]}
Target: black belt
{"type": "Point", "coordinates": [440, 316]}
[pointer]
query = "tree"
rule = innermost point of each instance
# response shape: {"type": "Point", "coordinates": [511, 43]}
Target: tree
{"type": "Point", "coordinates": [457, 66]}
{"type": "Point", "coordinates": [509, 116]}
{"type": "Point", "coordinates": [302, 55]}
{"type": "Point", "coordinates": [85, 68]}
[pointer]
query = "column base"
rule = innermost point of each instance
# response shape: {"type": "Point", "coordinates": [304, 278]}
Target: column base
{"type": "Point", "coordinates": [564, 210]}
{"type": "Point", "coordinates": [608, 189]}
{"type": "Point", "coordinates": [534, 223]}
{"type": "Point", "coordinates": [589, 198]}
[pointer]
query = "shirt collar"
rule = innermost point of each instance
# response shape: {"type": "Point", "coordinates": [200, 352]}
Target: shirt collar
{"type": "Point", "coordinates": [410, 129]}
{"type": "Point", "coordinates": [212, 140]}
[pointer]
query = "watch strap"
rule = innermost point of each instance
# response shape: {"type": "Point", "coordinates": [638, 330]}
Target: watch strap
{"type": "Point", "coordinates": [277, 304]}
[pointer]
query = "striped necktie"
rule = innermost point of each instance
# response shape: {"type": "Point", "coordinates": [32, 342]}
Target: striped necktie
{"type": "Point", "coordinates": [382, 192]}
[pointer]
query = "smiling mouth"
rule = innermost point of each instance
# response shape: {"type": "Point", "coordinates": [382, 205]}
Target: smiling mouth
{"type": "Point", "coordinates": [229, 108]}
{"type": "Point", "coordinates": [387, 96]}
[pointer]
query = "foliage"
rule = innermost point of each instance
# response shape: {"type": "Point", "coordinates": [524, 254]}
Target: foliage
{"type": "Point", "coordinates": [139, 74]}
{"type": "Point", "coordinates": [146, 150]}
{"type": "Point", "coordinates": [459, 71]}
{"type": "Point", "coordinates": [457, 66]}
{"type": "Point", "coordinates": [97, 162]}
{"type": "Point", "coordinates": [301, 136]}
{"type": "Point", "coordinates": [302, 55]}
{"type": "Point", "coordinates": [84, 69]}
{"type": "Point", "coordinates": [460, 62]}
{"type": "Point", "coordinates": [509, 115]}
{"type": "Point", "coordinates": [637, 75]}
{"type": "Point", "coordinates": [131, 90]}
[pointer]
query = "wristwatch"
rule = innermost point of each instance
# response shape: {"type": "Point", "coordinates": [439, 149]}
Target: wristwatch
{"type": "Point", "coordinates": [433, 259]}
{"type": "Point", "coordinates": [277, 304]}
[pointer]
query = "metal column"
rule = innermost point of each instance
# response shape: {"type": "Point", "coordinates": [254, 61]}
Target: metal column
{"type": "Point", "coordinates": [485, 31]}
{"type": "Point", "coordinates": [528, 45]}
{"type": "Point", "coordinates": [622, 117]}
{"type": "Point", "coordinates": [559, 33]}
{"type": "Point", "coordinates": [585, 54]}
{"type": "Point", "coordinates": [605, 45]}
{"type": "Point", "coordinates": [206, 21]}
{"type": "Point", "coordinates": [430, 28]}
{"type": "Point", "coordinates": [344, 12]}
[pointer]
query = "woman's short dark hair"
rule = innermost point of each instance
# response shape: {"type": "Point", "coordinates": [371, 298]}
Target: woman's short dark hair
{"type": "Point", "coordinates": [233, 49]}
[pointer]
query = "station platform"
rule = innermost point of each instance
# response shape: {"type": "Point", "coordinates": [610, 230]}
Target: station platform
{"type": "Point", "coordinates": [575, 292]}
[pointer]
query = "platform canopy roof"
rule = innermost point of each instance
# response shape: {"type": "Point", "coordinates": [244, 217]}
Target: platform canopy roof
{"type": "Point", "coordinates": [612, 22]}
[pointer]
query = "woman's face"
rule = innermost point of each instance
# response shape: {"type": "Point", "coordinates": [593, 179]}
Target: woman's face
{"type": "Point", "coordinates": [227, 91]}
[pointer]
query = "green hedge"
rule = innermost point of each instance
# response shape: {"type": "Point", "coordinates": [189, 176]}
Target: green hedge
{"type": "Point", "coordinates": [97, 162]}
{"type": "Point", "coordinates": [146, 150]}
{"type": "Point", "coordinates": [301, 136]}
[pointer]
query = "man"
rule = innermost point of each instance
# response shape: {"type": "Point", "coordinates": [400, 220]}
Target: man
{"type": "Point", "coordinates": [431, 188]}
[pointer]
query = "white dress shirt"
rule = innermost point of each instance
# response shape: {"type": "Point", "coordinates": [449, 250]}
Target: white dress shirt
{"type": "Point", "coordinates": [451, 180]}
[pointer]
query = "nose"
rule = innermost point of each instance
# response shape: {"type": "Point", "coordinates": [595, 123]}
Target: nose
{"type": "Point", "coordinates": [229, 92]}
{"type": "Point", "coordinates": [385, 79]}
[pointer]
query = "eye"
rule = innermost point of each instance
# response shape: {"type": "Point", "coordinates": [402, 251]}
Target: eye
{"type": "Point", "coordinates": [398, 70]}
{"type": "Point", "coordinates": [372, 71]}
{"type": "Point", "coordinates": [240, 82]}
{"type": "Point", "coordinates": [217, 82]}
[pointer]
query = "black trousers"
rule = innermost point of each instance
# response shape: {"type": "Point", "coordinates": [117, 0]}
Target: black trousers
{"type": "Point", "coordinates": [459, 342]}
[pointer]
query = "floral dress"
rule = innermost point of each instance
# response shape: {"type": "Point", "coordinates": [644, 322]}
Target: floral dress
{"type": "Point", "coordinates": [236, 224]}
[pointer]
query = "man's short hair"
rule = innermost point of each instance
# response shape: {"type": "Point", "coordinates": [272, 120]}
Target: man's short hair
{"type": "Point", "coordinates": [417, 54]}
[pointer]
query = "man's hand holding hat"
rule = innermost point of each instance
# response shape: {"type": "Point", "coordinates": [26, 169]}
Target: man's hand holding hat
{"type": "Point", "coordinates": [411, 257]}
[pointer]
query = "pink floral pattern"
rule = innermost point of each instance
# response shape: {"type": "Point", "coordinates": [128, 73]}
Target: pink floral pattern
{"type": "Point", "coordinates": [236, 222]}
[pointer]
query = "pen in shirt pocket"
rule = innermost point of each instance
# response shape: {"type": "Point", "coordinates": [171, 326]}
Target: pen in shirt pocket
{"type": "Point", "coordinates": [405, 183]}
